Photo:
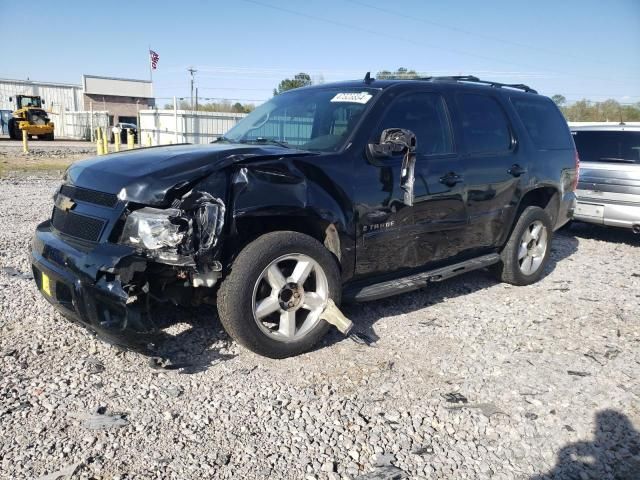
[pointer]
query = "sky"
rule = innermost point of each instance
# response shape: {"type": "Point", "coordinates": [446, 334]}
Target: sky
{"type": "Point", "coordinates": [241, 49]}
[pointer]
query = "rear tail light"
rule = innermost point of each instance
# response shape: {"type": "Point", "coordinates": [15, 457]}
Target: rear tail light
{"type": "Point", "coordinates": [576, 179]}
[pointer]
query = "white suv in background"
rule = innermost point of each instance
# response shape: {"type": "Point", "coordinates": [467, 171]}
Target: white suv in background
{"type": "Point", "coordinates": [609, 188]}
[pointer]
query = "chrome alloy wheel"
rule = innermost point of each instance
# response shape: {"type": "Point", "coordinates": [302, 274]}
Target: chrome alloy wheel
{"type": "Point", "coordinates": [533, 247]}
{"type": "Point", "coordinates": [289, 297]}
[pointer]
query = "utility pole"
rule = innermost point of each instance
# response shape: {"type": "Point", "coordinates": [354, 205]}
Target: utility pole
{"type": "Point", "coordinates": [192, 71]}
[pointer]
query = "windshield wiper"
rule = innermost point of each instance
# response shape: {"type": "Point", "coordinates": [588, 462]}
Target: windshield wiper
{"type": "Point", "coordinates": [264, 140]}
{"type": "Point", "coordinates": [615, 159]}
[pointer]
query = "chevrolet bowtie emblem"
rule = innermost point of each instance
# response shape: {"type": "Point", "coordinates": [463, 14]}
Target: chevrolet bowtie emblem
{"type": "Point", "coordinates": [64, 203]}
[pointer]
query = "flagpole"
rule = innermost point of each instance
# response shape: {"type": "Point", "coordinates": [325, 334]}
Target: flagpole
{"type": "Point", "coordinates": [150, 66]}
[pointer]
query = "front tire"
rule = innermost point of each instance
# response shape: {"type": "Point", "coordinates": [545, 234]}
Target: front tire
{"type": "Point", "coordinates": [278, 286]}
{"type": "Point", "coordinates": [527, 251]}
{"type": "Point", "coordinates": [13, 129]}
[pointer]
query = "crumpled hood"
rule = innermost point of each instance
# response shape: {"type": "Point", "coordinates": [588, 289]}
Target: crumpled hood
{"type": "Point", "coordinates": [147, 175]}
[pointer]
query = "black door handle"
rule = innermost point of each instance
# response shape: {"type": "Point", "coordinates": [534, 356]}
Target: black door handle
{"type": "Point", "coordinates": [516, 170]}
{"type": "Point", "coordinates": [450, 179]}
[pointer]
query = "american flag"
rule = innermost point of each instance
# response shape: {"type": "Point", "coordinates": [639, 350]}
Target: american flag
{"type": "Point", "coordinates": [154, 59]}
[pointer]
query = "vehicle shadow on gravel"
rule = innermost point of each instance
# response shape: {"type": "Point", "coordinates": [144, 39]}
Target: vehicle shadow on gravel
{"type": "Point", "coordinates": [602, 233]}
{"type": "Point", "coordinates": [201, 344]}
{"type": "Point", "coordinates": [614, 453]}
{"type": "Point", "coordinates": [365, 315]}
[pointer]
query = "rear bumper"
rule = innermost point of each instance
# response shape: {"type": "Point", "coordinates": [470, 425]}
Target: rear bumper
{"type": "Point", "coordinates": [607, 213]}
{"type": "Point", "coordinates": [86, 287]}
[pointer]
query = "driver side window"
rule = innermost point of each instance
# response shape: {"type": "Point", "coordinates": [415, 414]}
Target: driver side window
{"type": "Point", "coordinates": [425, 114]}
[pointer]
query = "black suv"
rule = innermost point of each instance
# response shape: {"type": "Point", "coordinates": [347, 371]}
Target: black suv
{"type": "Point", "coordinates": [355, 190]}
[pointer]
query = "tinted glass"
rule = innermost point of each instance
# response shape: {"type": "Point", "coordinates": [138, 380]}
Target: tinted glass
{"type": "Point", "coordinates": [622, 147]}
{"type": "Point", "coordinates": [544, 123]}
{"type": "Point", "coordinates": [485, 126]}
{"type": "Point", "coordinates": [425, 114]}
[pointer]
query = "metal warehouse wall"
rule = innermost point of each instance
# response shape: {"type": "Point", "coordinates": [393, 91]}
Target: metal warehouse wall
{"type": "Point", "coordinates": [57, 96]}
{"type": "Point", "coordinates": [169, 126]}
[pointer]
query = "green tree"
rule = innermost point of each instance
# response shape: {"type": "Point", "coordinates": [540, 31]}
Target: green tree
{"type": "Point", "coordinates": [399, 74]}
{"type": "Point", "coordinates": [607, 111]}
{"type": "Point", "coordinates": [559, 100]}
{"type": "Point", "coordinates": [220, 106]}
{"type": "Point", "coordinates": [300, 80]}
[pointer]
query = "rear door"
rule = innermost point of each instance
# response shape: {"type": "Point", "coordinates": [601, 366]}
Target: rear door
{"type": "Point", "coordinates": [492, 167]}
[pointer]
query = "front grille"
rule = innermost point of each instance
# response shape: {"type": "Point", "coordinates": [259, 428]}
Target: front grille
{"type": "Point", "coordinates": [89, 196]}
{"type": "Point", "coordinates": [78, 226]}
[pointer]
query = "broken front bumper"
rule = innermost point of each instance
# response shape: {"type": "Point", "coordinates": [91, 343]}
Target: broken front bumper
{"type": "Point", "coordinates": [84, 284]}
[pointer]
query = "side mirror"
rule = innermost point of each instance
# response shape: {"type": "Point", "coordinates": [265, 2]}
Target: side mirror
{"type": "Point", "coordinates": [393, 141]}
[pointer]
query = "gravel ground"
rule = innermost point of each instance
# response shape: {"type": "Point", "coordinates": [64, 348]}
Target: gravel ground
{"type": "Point", "coordinates": [466, 379]}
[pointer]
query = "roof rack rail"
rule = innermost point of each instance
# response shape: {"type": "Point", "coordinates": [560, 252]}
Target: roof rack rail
{"type": "Point", "coordinates": [472, 79]}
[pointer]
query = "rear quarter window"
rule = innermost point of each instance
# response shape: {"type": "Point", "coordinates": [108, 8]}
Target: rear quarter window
{"type": "Point", "coordinates": [544, 123]}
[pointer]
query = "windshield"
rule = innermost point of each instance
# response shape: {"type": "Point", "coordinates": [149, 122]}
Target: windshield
{"type": "Point", "coordinates": [29, 102]}
{"type": "Point", "coordinates": [608, 146]}
{"type": "Point", "coordinates": [317, 119]}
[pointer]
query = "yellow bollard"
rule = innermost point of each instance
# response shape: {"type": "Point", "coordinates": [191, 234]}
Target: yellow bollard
{"type": "Point", "coordinates": [117, 140]}
{"type": "Point", "coordinates": [99, 142]}
{"type": "Point", "coordinates": [25, 142]}
{"type": "Point", "coordinates": [105, 144]}
{"type": "Point", "coordinates": [130, 144]}
{"type": "Point", "coordinates": [149, 142]}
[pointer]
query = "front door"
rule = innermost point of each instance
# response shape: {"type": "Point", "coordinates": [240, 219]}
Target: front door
{"type": "Point", "coordinates": [392, 235]}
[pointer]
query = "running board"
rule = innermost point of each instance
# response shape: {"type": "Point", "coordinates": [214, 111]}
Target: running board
{"type": "Point", "coordinates": [419, 280]}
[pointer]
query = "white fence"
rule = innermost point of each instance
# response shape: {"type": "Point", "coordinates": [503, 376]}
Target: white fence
{"type": "Point", "coordinates": [78, 125]}
{"type": "Point", "coordinates": [610, 124]}
{"type": "Point", "coordinates": [184, 126]}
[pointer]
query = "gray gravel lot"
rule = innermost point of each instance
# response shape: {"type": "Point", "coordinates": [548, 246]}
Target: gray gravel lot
{"type": "Point", "coordinates": [467, 379]}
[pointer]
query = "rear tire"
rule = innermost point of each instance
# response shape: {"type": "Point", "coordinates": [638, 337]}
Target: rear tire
{"type": "Point", "coordinates": [250, 290]}
{"type": "Point", "coordinates": [526, 254]}
{"type": "Point", "coordinates": [13, 129]}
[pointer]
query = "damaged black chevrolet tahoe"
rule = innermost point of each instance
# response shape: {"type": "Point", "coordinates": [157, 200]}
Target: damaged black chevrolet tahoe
{"type": "Point", "coordinates": [348, 191]}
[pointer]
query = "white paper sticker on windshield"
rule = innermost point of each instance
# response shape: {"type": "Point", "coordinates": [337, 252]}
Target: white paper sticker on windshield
{"type": "Point", "coordinates": [352, 97]}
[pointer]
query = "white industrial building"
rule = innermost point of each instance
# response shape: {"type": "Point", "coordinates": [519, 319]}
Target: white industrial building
{"type": "Point", "coordinates": [77, 109]}
{"type": "Point", "coordinates": [64, 96]}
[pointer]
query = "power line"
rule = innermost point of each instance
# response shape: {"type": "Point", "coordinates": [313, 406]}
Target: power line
{"type": "Point", "coordinates": [277, 72]}
{"type": "Point", "coordinates": [168, 87]}
{"type": "Point", "coordinates": [376, 32]}
{"type": "Point", "coordinates": [408, 40]}
{"type": "Point", "coordinates": [398, 13]}
{"type": "Point", "coordinates": [216, 98]}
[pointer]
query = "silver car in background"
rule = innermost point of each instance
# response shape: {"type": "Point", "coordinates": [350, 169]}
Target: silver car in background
{"type": "Point", "coordinates": [609, 187]}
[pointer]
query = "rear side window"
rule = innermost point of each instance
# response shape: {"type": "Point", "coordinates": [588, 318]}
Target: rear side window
{"type": "Point", "coordinates": [484, 123]}
{"type": "Point", "coordinates": [615, 147]}
{"type": "Point", "coordinates": [425, 114]}
{"type": "Point", "coordinates": [544, 123]}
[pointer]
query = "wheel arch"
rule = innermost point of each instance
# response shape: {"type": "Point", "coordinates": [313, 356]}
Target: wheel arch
{"type": "Point", "coordinates": [285, 196]}
{"type": "Point", "coordinates": [546, 197]}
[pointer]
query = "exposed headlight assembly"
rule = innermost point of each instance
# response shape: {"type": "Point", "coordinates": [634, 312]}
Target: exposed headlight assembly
{"type": "Point", "coordinates": [152, 228]}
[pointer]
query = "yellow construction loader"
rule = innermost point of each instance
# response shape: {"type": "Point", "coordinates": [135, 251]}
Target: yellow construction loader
{"type": "Point", "coordinates": [29, 116]}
